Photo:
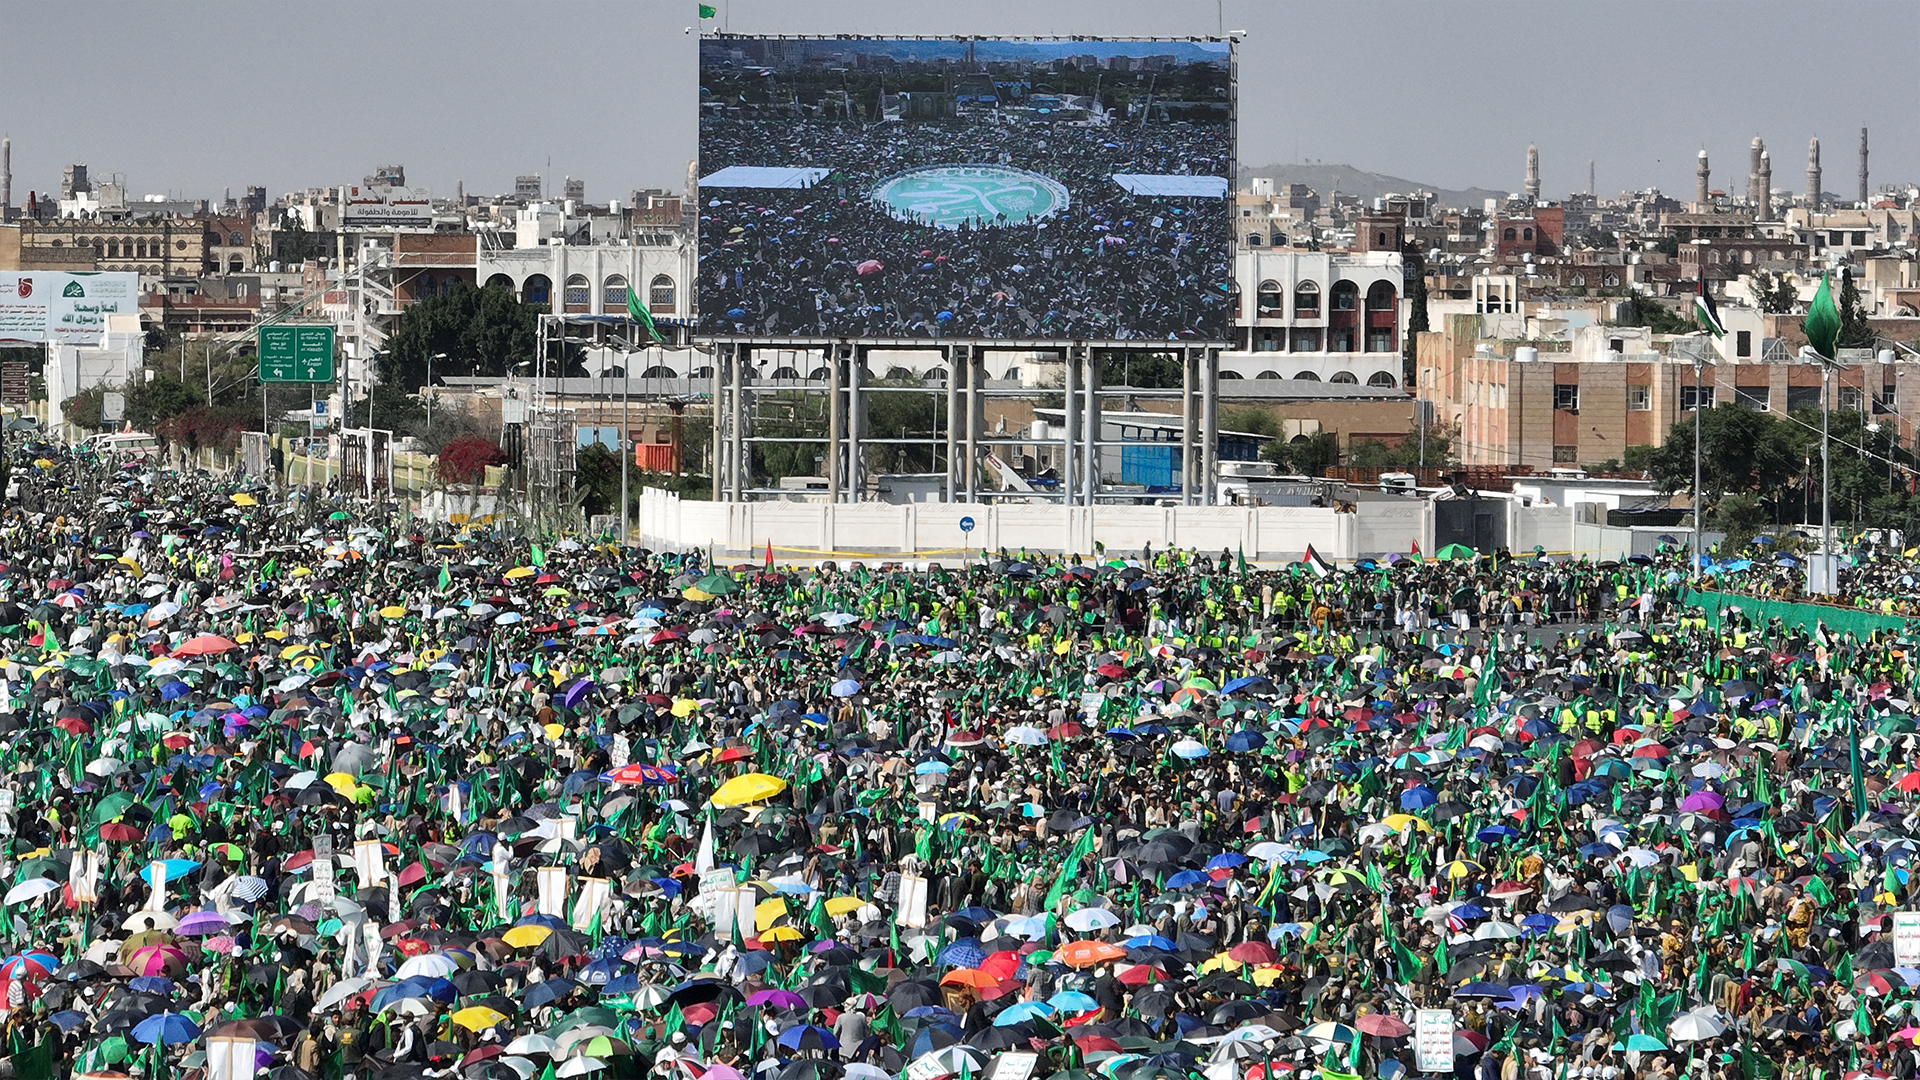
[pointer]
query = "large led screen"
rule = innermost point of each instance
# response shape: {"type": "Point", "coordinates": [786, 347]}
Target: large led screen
{"type": "Point", "coordinates": [973, 190]}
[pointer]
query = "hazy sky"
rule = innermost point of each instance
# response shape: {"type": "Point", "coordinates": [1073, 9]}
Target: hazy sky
{"type": "Point", "coordinates": [191, 97]}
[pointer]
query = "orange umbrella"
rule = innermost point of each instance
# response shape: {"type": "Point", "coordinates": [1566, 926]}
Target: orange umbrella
{"type": "Point", "coordinates": [973, 977]}
{"type": "Point", "coordinates": [1085, 954]}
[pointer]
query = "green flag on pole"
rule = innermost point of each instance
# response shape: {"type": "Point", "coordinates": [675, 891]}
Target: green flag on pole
{"type": "Point", "coordinates": [1823, 320]}
{"type": "Point", "coordinates": [635, 309]}
{"type": "Point", "coordinates": [1070, 869]}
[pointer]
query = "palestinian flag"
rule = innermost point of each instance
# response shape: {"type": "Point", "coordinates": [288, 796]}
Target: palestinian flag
{"type": "Point", "coordinates": [1319, 566]}
{"type": "Point", "coordinates": [1707, 315]}
{"type": "Point", "coordinates": [639, 313]}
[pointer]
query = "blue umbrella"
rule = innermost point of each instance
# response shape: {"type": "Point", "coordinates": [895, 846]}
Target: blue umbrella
{"type": "Point", "coordinates": [1188, 877]}
{"type": "Point", "coordinates": [1245, 741]}
{"type": "Point", "coordinates": [547, 991]}
{"type": "Point", "coordinates": [1150, 941]}
{"type": "Point", "coordinates": [1226, 860]}
{"type": "Point", "coordinates": [1025, 1010]}
{"type": "Point", "coordinates": [808, 1037]}
{"type": "Point", "coordinates": [845, 688]}
{"type": "Point", "coordinates": [166, 1029]}
{"type": "Point", "coordinates": [1072, 1001]}
{"type": "Point", "coordinates": [174, 869]}
{"type": "Point", "coordinates": [577, 693]}
{"type": "Point", "coordinates": [965, 953]}
{"type": "Point", "coordinates": [1418, 798]}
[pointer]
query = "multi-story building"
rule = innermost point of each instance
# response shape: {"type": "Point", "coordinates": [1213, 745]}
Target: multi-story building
{"type": "Point", "coordinates": [1318, 316]}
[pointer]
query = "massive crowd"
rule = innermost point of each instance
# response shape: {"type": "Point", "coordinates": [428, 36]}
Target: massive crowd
{"type": "Point", "coordinates": [828, 261]}
{"type": "Point", "coordinates": [307, 788]}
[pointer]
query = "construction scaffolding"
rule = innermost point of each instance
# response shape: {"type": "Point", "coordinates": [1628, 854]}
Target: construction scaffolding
{"type": "Point", "coordinates": [964, 453]}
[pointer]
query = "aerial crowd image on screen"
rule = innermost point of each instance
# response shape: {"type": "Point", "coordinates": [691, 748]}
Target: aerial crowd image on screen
{"type": "Point", "coordinates": [876, 188]}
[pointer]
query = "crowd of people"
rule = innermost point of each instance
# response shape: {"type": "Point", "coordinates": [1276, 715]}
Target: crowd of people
{"type": "Point", "coordinates": [829, 260]}
{"type": "Point", "coordinates": [310, 789]}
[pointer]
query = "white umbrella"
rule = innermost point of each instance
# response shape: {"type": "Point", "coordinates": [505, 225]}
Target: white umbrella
{"type": "Point", "coordinates": [1089, 919]}
{"type": "Point", "coordinates": [580, 1066]}
{"type": "Point", "coordinates": [1497, 931]}
{"type": "Point", "coordinates": [30, 890]}
{"type": "Point", "coordinates": [432, 965]}
{"type": "Point", "coordinates": [340, 992]}
{"type": "Point", "coordinates": [1697, 1026]}
{"type": "Point", "coordinates": [533, 1044]}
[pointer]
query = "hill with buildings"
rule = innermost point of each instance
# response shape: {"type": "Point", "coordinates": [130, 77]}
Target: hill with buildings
{"type": "Point", "coordinates": [1347, 180]}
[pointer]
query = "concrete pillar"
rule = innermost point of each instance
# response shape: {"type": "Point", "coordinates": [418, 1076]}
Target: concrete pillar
{"type": "Point", "coordinates": [1090, 455]}
{"type": "Point", "coordinates": [836, 422]}
{"type": "Point", "coordinates": [1209, 425]}
{"type": "Point", "coordinates": [954, 375]}
{"type": "Point", "coordinates": [1070, 434]}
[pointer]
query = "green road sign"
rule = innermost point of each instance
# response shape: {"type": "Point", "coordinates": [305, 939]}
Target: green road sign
{"type": "Point", "coordinates": [296, 354]}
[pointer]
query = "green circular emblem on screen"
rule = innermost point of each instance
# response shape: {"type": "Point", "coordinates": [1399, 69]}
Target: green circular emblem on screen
{"type": "Point", "coordinates": [982, 196]}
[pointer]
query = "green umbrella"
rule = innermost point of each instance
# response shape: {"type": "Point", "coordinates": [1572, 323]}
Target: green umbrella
{"type": "Point", "coordinates": [110, 807]}
{"type": "Point", "coordinates": [717, 585]}
{"type": "Point", "coordinates": [1454, 552]}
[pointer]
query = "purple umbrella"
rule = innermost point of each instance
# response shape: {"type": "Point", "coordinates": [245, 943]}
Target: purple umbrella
{"type": "Point", "coordinates": [202, 923]}
{"type": "Point", "coordinates": [1702, 801]}
{"type": "Point", "coordinates": [577, 693]}
{"type": "Point", "coordinates": [779, 999]}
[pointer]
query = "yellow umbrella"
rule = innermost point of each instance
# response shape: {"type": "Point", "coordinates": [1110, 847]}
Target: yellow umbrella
{"type": "Point", "coordinates": [519, 572]}
{"type": "Point", "coordinates": [748, 788]}
{"type": "Point", "coordinates": [344, 783]}
{"type": "Point", "coordinates": [767, 912]}
{"type": "Point", "coordinates": [479, 1017]}
{"type": "Point", "coordinates": [1265, 976]}
{"type": "Point", "coordinates": [392, 611]}
{"type": "Point", "coordinates": [526, 937]}
{"type": "Point", "coordinates": [127, 561]}
{"type": "Point", "coordinates": [782, 933]}
{"type": "Point", "coordinates": [1396, 822]}
{"type": "Point", "coordinates": [698, 596]}
{"type": "Point", "coordinates": [292, 651]}
{"type": "Point", "coordinates": [1219, 961]}
{"type": "Point", "coordinates": [243, 499]}
{"type": "Point", "coordinates": [554, 731]}
{"type": "Point", "coordinates": [844, 905]}
{"type": "Point", "coordinates": [302, 571]}
{"type": "Point", "coordinates": [1460, 868]}
{"type": "Point", "coordinates": [685, 707]}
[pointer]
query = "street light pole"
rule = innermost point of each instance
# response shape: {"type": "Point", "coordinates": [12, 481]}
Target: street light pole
{"type": "Point", "coordinates": [1698, 418]}
{"type": "Point", "coordinates": [1826, 483]}
{"type": "Point", "coordinates": [430, 360]}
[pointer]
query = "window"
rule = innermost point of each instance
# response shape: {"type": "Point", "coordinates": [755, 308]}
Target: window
{"type": "Point", "coordinates": [1306, 376]}
{"type": "Point", "coordinates": [660, 294]}
{"type": "Point", "coordinates": [1639, 398]}
{"type": "Point", "coordinates": [1379, 339]}
{"type": "Point", "coordinates": [1757, 397]}
{"type": "Point", "coordinates": [1269, 340]}
{"type": "Point", "coordinates": [1382, 379]}
{"type": "Point", "coordinates": [1859, 239]}
{"type": "Point", "coordinates": [1509, 235]}
{"type": "Point", "coordinates": [237, 239]}
{"type": "Point", "coordinates": [1340, 339]}
{"type": "Point", "coordinates": [1380, 296]}
{"type": "Point", "coordinates": [1803, 397]}
{"type": "Point", "coordinates": [500, 281]}
{"type": "Point", "coordinates": [576, 296]}
{"type": "Point", "coordinates": [1743, 343]}
{"type": "Point", "coordinates": [1306, 300]}
{"type": "Point", "coordinates": [1346, 378]}
{"type": "Point", "coordinates": [1268, 374]}
{"type": "Point", "coordinates": [1836, 238]}
{"type": "Point", "coordinates": [1345, 295]}
{"type": "Point", "coordinates": [1851, 398]}
{"type": "Point", "coordinates": [1577, 280]}
{"type": "Point", "coordinates": [1306, 340]}
{"type": "Point", "coordinates": [234, 265]}
{"type": "Point", "coordinates": [1695, 397]}
{"type": "Point", "coordinates": [1379, 240]}
{"type": "Point", "coordinates": [661, 371]}
{"type": "Point", "coordinates": [1611, 280]}
{"type": "Point", "coordinates": [1254, 239]}
{"type": "Point", "coordinates": [1566, 397]}
{"type": "Point", "coordinates": [538, 290]}
{"type": "Point", "coordinates": [613, 294]}
{"type": "Point", "coordinates": [1526, 234]}
{"type": "Point", "coordinates": [781, 372]}
{"type": "Point", "coordinates": [1566, 455]}
{"type": "Point", "coordinates": [1618, 345]}
{"type": "Point", "coordinates": [1268, 300]}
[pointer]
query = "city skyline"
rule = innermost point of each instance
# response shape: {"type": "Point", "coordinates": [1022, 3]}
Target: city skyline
{"type": "Point", "coordinates": [623, 115]}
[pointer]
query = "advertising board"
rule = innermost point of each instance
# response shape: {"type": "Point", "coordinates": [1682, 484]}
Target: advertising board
{"type": "Point", "coordinates": [68, 307]}
{"type": "Point", "coordinates": [887, 188]}
{"type": "Point", "coordinates": [387, 207]}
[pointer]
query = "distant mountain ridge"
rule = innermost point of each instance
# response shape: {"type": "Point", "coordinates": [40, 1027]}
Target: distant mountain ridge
{"type": "Point", "coordinates": [1327, 179]}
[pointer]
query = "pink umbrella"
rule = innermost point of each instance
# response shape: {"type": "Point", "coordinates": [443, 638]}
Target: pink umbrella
{"type": "Point", "coordinates": [1703, 800]}
{"type": "Point", "coordinates": [871, 266]}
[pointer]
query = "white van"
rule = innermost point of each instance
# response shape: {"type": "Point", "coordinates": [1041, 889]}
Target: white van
{"type": "Point", "coordinates": [124, 444]}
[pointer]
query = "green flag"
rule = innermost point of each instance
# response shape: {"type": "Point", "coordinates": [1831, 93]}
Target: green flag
{"type": "Point", "coordinates": [446, 576]}
{"type": "Point", "coordinates": [538, 556]}
{"type": "Point", "coordinates": [635, 309]}
{"type": "Point", "coordinates": [706, 11]}
{"type": "Point", "coordinates": [1070, 868]}
{"type": "Point", "coordinates": [1823, 320]}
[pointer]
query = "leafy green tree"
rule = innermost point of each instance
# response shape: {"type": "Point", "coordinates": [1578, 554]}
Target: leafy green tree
{"type": "Point", "coordinates": [1308, 455]}
{"type": "Point", "coordinates": [1373, 453]}
{"type": "Point", "coordinates": [473, 331]}
{"type": "Point", "coordinates": [909, 415]}
{"type": "Point", "coordinates": [596, 480]}
{"type": "Point", "coordinates": [1652, 314]}
{"type": "Point", "coordinates": [1773, 294]}
{"type": "Point", "coordinates": [1742, 451]}
{"type": "Point", "coordinates": [1854, 331]}
{"type": "Point", "coordinates": [152, 403]}
{"type": "Point", "coordinates": [1144, 371]}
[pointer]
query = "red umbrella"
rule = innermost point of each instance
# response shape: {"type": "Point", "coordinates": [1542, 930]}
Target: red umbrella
{"type": "Point", "coordinates": [870, 266]}
{"type": "Point", "coordinates": [205, 645]}
{"type": "Point", "coordinates": [73, 725]}
{"type": "Point", "coordinates": [1385, 1025]}
{"type": "Point", "coordinates": [119, 832]}
{"type": "Point", "coordinates": [1252, 952]}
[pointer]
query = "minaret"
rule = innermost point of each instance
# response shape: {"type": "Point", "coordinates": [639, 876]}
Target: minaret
{"type": "Point", "coordinates": [1702, 185]}
{"type": "Point", "coordinates": [1591, 190]}
{"type": "Point", "coordinates": [1754, 151]}
{"type": "Point", "coordinates": [1813, 175]}
{"type": "Point", "coordinates": [1763, 209]}
{"type": "Point", "coordinates": [6, 179]}
{"type": "Point", "coordinates": [1863, 166]}
{"type": "Point", "coordinates": [1533, 173]}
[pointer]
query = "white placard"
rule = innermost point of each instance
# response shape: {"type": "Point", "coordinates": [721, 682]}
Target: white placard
{"type": "Point", "coordinates": [85, 876]}
{"type": "Point", "coordinates": [622, 751]}
{"type": "Point", "coordinates": [552, 897]}
{"type": "Point", "coordinates": [157, 877]}
{"type": "Point", "coordinates": [502, 882]}
{"type": "Point", "coordinates": [593, 896]}
{"type": "Point", "coordinates": [568, 826]}
{"type": "Point", "coordinates": [369, 862]}
{"type": "Point", "coordinates": [913, 901]}
{"type": "Point", "coordinates": [1433, 1040]}
{"type": "Point", "coordinates": [744, 922]}
{"type": "Point", "coordinates": [230, 1057]}
{"type": "Point", "coordinates": [1014, 1065]}
{"type": "Point", "coordinates": [1906, 938]}
{"type": "Point", "coordinates": [456, 804]}
{"type": "Point", "coordinates": [370, 932]}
